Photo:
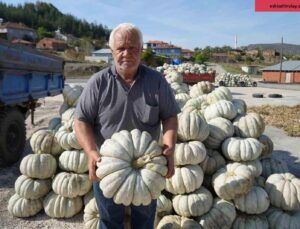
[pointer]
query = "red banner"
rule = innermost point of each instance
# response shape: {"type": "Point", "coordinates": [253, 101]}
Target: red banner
{"type": "Point", "coordinates": [277, 5]}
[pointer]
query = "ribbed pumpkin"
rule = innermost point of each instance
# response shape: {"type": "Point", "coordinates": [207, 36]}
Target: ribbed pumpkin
{"type": "Point", "coordinates": [192, 153]}
{"type": "Point", "coordinates": [91, 215]}
{"type": "Point", "coordinates": [43, 141]}
{"type": "Point", "coordinates": [177, 222]}
{"type": "Point", "coordinates": [202, 87]}
{"type": "Point", "coordinates": [185, 180]}
{"type": "Point", "coordinates": [22, 207]}
{"type": "Point", "coordinates": [164, 206]}
{"type": "Point", "coordinates": [71, 94]}
{"type": "Point", "coordinates": [239, 149]}
{"type": "Point", "coordinates": [240, 106]}
{"type": "Point", "coordinates": [178, 88]}
{"type": "Point", "coordinates": [197, 105]}
{"type": "Point", "coordinates": [222, 108]}
{"type": "Point", "coordinates": [284, 191]}
{"type": "Point", "coordinates": [30, 188]}
{"type": "Point", "coordinates": [73, 161]}
{"type": "Point", "coordinates": [221, 215]}
{"type": "Point", "coordinates": [71, 184]}
{"type": "Point", "coordinates": [219, 130]}
{"type": "Point", "coordinates": [54, 124]}
{"type": "Point", "coordinates": [255, 167]}
{"type": "Point", "coordinates": [181, 99]}
{"type": "Point", "coordinates": [268, 146]}
{"type": "Point", "coordinates": [271, 166]}
{"type": "Point", "coordinates": [174, 76]}
{"type": "Point", "coordinates": [57, 206]}
{"type": "Point", "coordinates": [256, 201]}
{"type": "Point", "coordinates": [67, 140]}
{"type": "Point", "coordinates": [132, 168]}
{"type": "Point", "coordinates": [67, 118]}
{"type": "Point", "coordinates": [244, 221]}
{"type": "Point", "coordinates": [41, 166]}
{"type": "Point", "coordinates": [250, 125]}
{"type": "Point", "coordinates": [193, 204]}
{"type": "Point", "coordinates": [279, 219]}
{"type": "Point", "coordinates": [220, 93]}
{"type": "Point", "coordinates": [212, 162]}
{"type": "Point", "coordinates": [233, 180]}
{"type": "Point", "coordinates": [192, 126]}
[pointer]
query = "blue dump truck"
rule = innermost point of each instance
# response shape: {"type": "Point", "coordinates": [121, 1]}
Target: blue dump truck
{"type": "Point", "coordinates": [26, 75]}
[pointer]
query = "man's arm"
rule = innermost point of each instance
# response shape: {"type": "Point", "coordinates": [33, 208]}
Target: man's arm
{"type": "Point", "coordinates": [86, 139]}
{"type": "Point", "coordinates": [170, 126]}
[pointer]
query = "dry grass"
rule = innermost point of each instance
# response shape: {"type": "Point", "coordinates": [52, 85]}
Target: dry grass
{"type": "Point", "coordinates": [284, 117]}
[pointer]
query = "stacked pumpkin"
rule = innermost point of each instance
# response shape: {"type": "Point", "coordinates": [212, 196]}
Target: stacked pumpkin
{"type": "Point", "coordinates": [184, 68]}
{"type": "Point", "coordinates": [230, 80]}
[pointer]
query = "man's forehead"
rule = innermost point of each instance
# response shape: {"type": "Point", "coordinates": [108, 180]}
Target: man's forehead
{"type": "Point", "coordinates": [123, 35]}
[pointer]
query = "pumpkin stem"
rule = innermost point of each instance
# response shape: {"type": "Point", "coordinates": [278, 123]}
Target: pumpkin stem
{"type": "Point", "coordinates": [140, 162]}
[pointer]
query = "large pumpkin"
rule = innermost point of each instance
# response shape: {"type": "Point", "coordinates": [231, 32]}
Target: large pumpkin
{"type": "Point", "coordinates": [185, 180]}
{"type": "Point", "coordinates": [222, 108]}
{"type": "Point", "coordinates": [193, 204]}
{"type": "Point", "coordinates": [239, 149]}
{"type": "Point", "coordinates": [91, 215]}
{"type": "Point", "coordinates": [174, 76]}
{"type": "Point", "coordinates": [132, 168]}
{"type": "Point", "coordinates": [212, 162]}
{"type": "Point", "coordinates": [219, 130]}
{"type": "Point", "coordinates": [71, 94]}
{"type": "Point", "coordinates": [192, 126]}
{"type": "Point", "coordinates": [279, 219]}
{"type": "Point", "coordinates": [22, 207]}
{"type": "Point", "coordinates": [181, 99]}
{"type": "Point", "coordinates": [67, 118]}
{"type": "Point", "coordinates": [240, 106]}
{"type": "Point", "coordinates": [255, 167]}
{"type": "Point", "coordinates": [250, 125]}
{"type": "Point", "coordinates": [221, 215]}
{"type": "Point", "coordinates": [57, 206]}
{"type": "Point", "coordinates": [73, 161]}
{"type": "Point", "coordinates": [71, 184]}
{"type": "Point", "coordinates": [233, 180]}
{"type": "Point", "coordinates": [256, 201]}
{"type": "Point", "coordinates": [244, 221]}
{"type": "Point", "coordinates": [177, 222]}
{"type": "Point", "coordinates": [67, 139]}
{"type": "Point", "coordinates": [30, 188]}
{"type": "Point", "coordinates": [41, 166]}
{"type": "Point", "coordinates": [268, 146]}
{"type": "Point", "coordinates": [202, 87]}
{"type": "Point", "coordinates": [197, 105]}
{"type": "Point", "coordinates": [284, 191]}
{"type": "Point", "coordinates": [220, 93]}
{"type": "Point", "coordinates": [178, 88]}
{"type": "Point", "coordinates": [189, 153]}
{"type": "Point", "coordinates": [44, 141]}
{"type": "Point", "coordinates": [164, 206]}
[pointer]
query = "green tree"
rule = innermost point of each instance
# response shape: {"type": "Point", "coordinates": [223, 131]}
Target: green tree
{"type": "Point", "coordinates": [42, 32]}
{"type": "Point", "coordinates": [147, 56]}
{"type": "Point", "coordinates": [200, 58]}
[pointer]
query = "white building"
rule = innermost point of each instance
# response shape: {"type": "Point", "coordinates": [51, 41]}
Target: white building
{"type": "Point", "coordinates": [100, 55]}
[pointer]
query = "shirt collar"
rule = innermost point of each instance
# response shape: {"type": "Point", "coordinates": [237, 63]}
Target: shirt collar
{"type": "Point", "coordinates": [115, 73]}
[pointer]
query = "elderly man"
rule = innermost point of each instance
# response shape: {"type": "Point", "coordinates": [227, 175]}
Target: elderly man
{"type": "Point", "coordinates": [125, 96]}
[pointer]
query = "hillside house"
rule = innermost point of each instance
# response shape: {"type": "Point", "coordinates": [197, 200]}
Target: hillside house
{"type": "Point", "coordinates": [11, 31]}
{"type": "Point", "coordinates": [100, 55]}
{"type": "Point", "coordinates": [187, 54]}
{"type": "Point", "coordinates": [161, 48]}
{"type": "Point", "coordinates": [52, 44]}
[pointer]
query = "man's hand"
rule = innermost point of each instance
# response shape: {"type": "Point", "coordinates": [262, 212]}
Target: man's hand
{"type": "Point", "coordinates": [169, 154]}
{"type": "Point", "coordinates": [93, 158]}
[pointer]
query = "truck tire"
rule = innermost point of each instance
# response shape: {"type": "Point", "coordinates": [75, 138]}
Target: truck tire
{"type": "Point", "coordinates": [12, 136]}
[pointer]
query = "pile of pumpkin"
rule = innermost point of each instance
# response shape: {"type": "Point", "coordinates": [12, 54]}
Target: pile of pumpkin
{"type": "Point", "coordinates": [224, 176]}
{"type": "Point", "coordinates": [232, 80]}
{"type": "Point", "coordinates": [184, 68]}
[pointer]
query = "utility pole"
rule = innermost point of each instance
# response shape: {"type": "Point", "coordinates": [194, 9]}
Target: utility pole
{"type": "Point", "coordinates": [281, 59]}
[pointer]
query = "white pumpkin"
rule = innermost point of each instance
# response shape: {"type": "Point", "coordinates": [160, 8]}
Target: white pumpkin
{"type": "Point", "coordinates": [233, 180]}
{"type": "Point", "coordinates": [197, 105]}
{"type": "Point", "coordinates": [91, 215]}
{"type": "Point", "coordinates": [54, 124]}
{"type": "Point", "coordinates": [268, 146]}
{"type": "Point", "coordinates": [191, 126]}
{"type": "Point", "coordinates": [222, 108]}
{"type": "Point", "coordinates": [178, 88]}
{"type": "Point", "coordinates": [271, 166]}
{"type": "Point", "coordinates": [284, 191]}
{"type": "Point", "coordinates": [181, 99]}
{"type": "Point", "coordinates": [191, 153]}
{"type": "Point", "coordinates": [193, 204]}
{"type": "Point", "coordinates": [71, 184]}
{"type": "Point", "coordinates": [221, 215]}
{"type": "Point", "coordinates": [240, 106]}
{"type": "Point", "coordinates": [132, 168]}
{"type": "Point", "coordinates": [71, 94]}
{"type": "Point", "coordinates": [220, 93]}
{"type": "Point", "coordinates": [255, 166]}
{"type": "Point", "coordinates": [67, 140]}
{"type": "Point", "coordinates": [250, 125]}
{"type": "Point", "coordinates": [186, 179]}
{"type": "Point", "coordinates": [174, 76]}
{"type": "Point", "coordinates": [67, 118]}
{"type": "Point", "coordinates": [40, 166]}
{"type": "Point", "coordinates": [250, 222]}
{"type": "Point", "coordinates": [279, 219]}
{"type": "Point", "coordinates": [22, 207]}
{"type": "Point", "coordinates": [44, 141]}
{"type": "Point", "coordinates": [177, 222]}
{"type": "Point", "coordinates": [202, 87]}
{"type": "Point", "coordinates": [57, 206]}
{"type": "Point", "coordinates": [212, 162]}
{"type": "Point", "coordinates": [164, 206]}
{"type": "Point", "coordinates": [30, 188]}
{"type": "Point", "coordinates": [73, 161]}
{"type": "Point", "coordinates": [219, 130]}
{"type": "Point", "coordinates": [256, 201]}
{"type": "Point", "coordinates": [239, 149]}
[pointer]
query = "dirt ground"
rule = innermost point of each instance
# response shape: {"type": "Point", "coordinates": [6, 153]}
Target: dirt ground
{"type": "Point", "coordinates": [50, 108]}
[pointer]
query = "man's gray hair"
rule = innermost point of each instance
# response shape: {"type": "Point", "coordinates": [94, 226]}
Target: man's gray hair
{"type": "Point", "coordinates": [128, 27]}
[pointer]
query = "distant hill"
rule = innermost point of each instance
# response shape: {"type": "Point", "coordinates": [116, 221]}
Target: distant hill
{"type": "Point", "coordinates": [287, 49]}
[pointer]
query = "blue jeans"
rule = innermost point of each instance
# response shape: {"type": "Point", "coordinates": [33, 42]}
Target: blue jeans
{"type": "Point", "coordinates": [112, 215]}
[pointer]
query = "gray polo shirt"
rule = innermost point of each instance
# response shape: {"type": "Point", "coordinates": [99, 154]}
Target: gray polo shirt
{"type": "Point", "coordinates": [109, 105]}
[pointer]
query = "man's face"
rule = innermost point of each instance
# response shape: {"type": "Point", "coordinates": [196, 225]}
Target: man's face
{"type": "Point", "coordinates": [126, 51]}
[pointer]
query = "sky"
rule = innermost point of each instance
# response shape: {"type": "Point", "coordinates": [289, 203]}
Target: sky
{"type": "Point", "coordinates": [188, 23]}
